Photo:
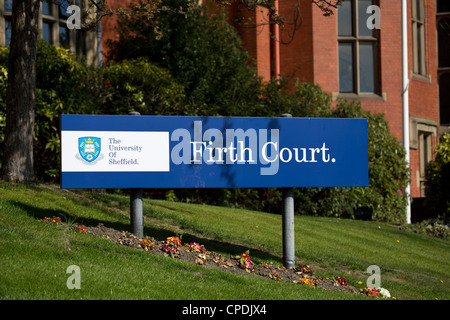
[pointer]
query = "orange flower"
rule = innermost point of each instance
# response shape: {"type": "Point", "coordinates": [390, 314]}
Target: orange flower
{"type": "Point", "coordinates": [246, 256]}
{"type": "Point", "coordinates": [174, 241]}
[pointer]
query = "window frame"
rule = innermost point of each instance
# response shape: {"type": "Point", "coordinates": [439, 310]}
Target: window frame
{"type": "Point", "coordinates": [418, 32]}
{"type": "Point", "coordinates": [422, 137]}
{"type": "Point", "coordinates": [50, 30]}
{"type": "Point", "coordinates": [84, 45]}
{"type": "Point", "coordinates": [425, 139]}
{"type": "Point", "coordinates": [80, 44]}
{"type": "Point", "coordinates": [67, 45]}
{"type": "Point", "coordinates": [356, 40]}
{"type": "Point", "coordinates": [4, 7]}
{"type": "Point", "coordinates": [7, 19]}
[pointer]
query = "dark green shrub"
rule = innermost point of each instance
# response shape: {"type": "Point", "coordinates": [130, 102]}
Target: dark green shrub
{"type": "Point", "coordinates": [61, 87]}
{"type": "Point", "coordinates": [141, 86]}
{"type": "Point", "coordinates": [305, 100]}
{"type": "Point", "coordinates": [200, 49]}
{"type": "Point", "coordinates": [388, 170]}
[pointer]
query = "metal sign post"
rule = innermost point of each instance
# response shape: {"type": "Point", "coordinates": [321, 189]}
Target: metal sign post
{"type": "Point", "coordinates": [136, 207]}
{"type": "Point", "coordinates": [288, 228]}
{"type": "Point", "coordinates": [288, 224]}
{"type": "Point", "coordinates": [136, 213]}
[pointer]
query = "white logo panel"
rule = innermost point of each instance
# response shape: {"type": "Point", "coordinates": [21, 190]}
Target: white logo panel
{"type": "Point", "coordinates": [120, 151]}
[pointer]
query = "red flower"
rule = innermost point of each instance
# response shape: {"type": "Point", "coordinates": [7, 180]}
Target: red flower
{"type": "Point", "coordinates": [341, 281]}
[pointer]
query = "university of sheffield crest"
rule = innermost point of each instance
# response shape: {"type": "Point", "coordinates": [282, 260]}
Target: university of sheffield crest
{"type": "Point", "coordinates": [89, 148]}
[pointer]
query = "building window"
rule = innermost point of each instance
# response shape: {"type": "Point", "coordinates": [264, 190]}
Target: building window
{"type": "Point", "coordinates": [8, 5]}
{"type": "Point", "coordinates": [443, 34]}
{"type": "Point", "coordinates": [63, 5]}
{"type": "Point", "coordinates": [64, 37]}
{"type": "Point", "coordinates": [7, 12]}
{"type": "Point", "coordinates": [443, 6]}
{"type": "Point", "coordinates": [54, 27]}
{"type": "Point", "coordinates": [444, 98]}
{"type": "Point", "coordinates": [7, 32]}
{"type": "Point", "coordinates": [358, 49]}
{"type": "Point", "coordinates": [80, 43]}
{"type": "Point", "coordinates": [425, 156]}
{"type": "Point", "coordinates": [423, 133]}
{"type": "Point", "coordinates": [46, 8]}
{"type": "Point", "coordinates": [47, 33]}
{"type": "Point", "coordinates": [444, 42]}
{"type": "Point", "coordinates": [418, 36]}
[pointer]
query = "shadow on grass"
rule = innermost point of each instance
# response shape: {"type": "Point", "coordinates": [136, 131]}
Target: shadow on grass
{"type": "Point", "coordinates": [156, 232]}
{"type": "Point", "coordinates": [257, 255]}
{"type": "Point", "coordinates": [213, 245]}
{"type": "Point", "coordinates": [40, 213]}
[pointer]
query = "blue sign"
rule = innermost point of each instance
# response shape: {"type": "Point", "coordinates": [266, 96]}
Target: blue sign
{"type": "Point", "coordinates": [99, 151]}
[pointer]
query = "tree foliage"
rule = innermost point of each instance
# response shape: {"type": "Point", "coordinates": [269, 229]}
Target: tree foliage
{"type": "Point", "coordinates": [138, 85]}
{"type": "Point", "coordinates": [201, 51]}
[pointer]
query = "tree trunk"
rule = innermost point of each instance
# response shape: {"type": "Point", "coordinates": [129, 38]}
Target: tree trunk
{"type": "Point", "coordinates": [17, 163]}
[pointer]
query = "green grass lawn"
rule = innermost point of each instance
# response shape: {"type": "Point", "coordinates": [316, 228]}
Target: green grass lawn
{"type": "Point", "coordinates": [34, 256]}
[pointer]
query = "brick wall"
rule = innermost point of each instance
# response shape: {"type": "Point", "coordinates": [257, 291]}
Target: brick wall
{"type": "Point", "coordinates": [297, 52]}
{"type": "Point", "coordinates": [255, 32]}
{"type": "Point", "coordinates": [110, 25]}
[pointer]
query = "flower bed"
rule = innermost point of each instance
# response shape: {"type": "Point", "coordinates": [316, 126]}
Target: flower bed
{"type": "Point", "coordinates": [53, 220]}
{"type": "Point", "coordinates": [197, 253]}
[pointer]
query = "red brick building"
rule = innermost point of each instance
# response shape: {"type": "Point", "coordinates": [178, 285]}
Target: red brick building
{"type": "Point", "coordinates": [356, 54]}
{"type": "Point", "coordinates": [352, 61]}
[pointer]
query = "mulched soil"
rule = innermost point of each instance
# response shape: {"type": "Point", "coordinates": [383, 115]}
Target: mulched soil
{"type": "Point", "coordinates": [215, 260]}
